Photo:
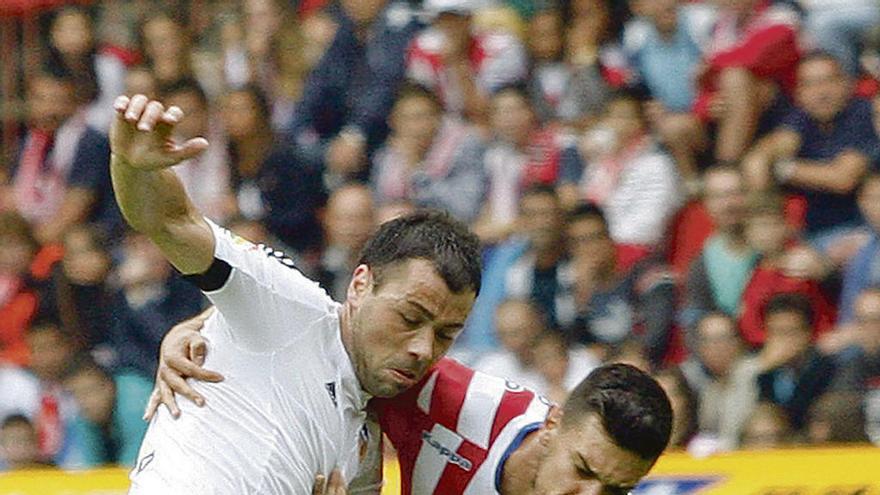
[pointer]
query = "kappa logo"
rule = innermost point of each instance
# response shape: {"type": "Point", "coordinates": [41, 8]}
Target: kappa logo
{"type": "Point", "coordinates": [331, 390]}
{"type": "Point", "coordinates": [675, 486]}
{"type": "Point", "coordinates": [446, 452]}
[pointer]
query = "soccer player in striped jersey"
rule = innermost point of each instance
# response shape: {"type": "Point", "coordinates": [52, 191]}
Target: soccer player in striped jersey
{"type": "Point", "coordinates": [460, 431]}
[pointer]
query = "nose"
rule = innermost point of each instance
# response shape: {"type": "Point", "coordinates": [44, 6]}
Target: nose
{"type": "Point", "coordinates": [421, 345]}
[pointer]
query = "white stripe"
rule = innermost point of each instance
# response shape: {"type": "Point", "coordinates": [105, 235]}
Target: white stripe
{"type": "Point", "coordinates": [485, 476]}
{"type": "Point", "coordinates": [424, 399]}
{"type": "Point", "coordinates": [430, 463]}
{"type": "Point", "coordinates": [477, 414]}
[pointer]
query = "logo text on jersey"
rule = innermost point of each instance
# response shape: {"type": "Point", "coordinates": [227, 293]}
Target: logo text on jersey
{"type": "Point", "coordinates": [331, 389]}
{"type": "Point", "coordinates": [445, 451]}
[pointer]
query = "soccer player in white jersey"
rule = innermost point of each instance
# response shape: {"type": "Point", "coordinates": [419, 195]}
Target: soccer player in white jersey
{"type": "Point", "coordinates": [299, 367]}
{"type": "Point", "coordinates": [460, 431]}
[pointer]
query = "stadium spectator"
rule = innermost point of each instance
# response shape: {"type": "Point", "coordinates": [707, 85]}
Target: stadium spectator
{"type": "Point", "coordinates": [19, 297]}
{"type": "Point", "coordinates": [627, 174]}
{"type": "Point", "coordinates": [99, 73]}
{"type": "Point", "coordinates": [52, 349]}
{"type": "Point", "coordinates": [166, 45]}
{"type": "Point", "coordinates": [836, 418]}
{"type": "Point", "coordinates": [521, 154]}
{"type": "Point", "coordinates": [822, 149]}
{"type": "Point", "coordinates": [785, 267]}
{"type": "Point", "coordinates": [349, 220]}
{"type": "Point", "coordinates": [61, 177]}
{"type": "Point", "coordinates": [608, 301]}
{"type": "Point", "coordinates": [150, 298]}
{"type": "Point", "coordinates": [19, 448]}
{"type": "Point", "coordinates": [664, 46]}
{"type": "Point", "coordinates": [549, 73]}
{"type": "Point", "coordinates": [858, 352]}
{"type": "Point", "coordinates": [591, 62]}
{"type": "Point", "coordinates": [684, 406]}
{"type": "Point", "coordinates": [81, 294]}
{"type": "Point", "coordinates": [273, 180]}
{"type": "Point", "coordinates": [800, 373]}
{"type": "Point", "coordinates": [429, 160]}
{"type": "Point", "coordinates": [722, 376]}
{"type": "Point", "coordinates": [527, 266]}
{"type": "Point", "coordinates": [109, 424]}
{"type": "Point", "coordinates": [750, 62]}
{"type": "Point", "coordinates": [205, 177]}
{"type": "Point", "coordinates": [349, 93]}
{"type": "Point", "coordinates": [840, 27]}
{"type": "Point", "coordinates": [518, 323]}
{"type": "Point", "coordinates": [560, 367]}
{"type": "Point", "coordinates": [768, 427]}
{"type": "Point", "coordinates": [718, 277]}
{"type": "Point", "coordinates": [863, 271]}
{"type": "Point", "coordinates": [463, 67]}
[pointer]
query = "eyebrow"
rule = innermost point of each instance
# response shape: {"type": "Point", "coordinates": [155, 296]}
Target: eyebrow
{"type": "Point", "coordinates": [421, 309]}
{"type": "Point", "coordinates": [612, 486]}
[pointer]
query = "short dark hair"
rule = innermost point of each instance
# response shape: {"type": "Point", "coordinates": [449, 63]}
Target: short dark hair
{"type": "Point", "coordinates": [518, 88]}
{"type": "Point", "coordinates": [540, 189]}
{"type": "Point", "coordinates": [185, 85]}
{"type": "Point", "coordinates": [16, 420]}
{"type": "Point", "coordinates": [431, 235]}
{"type": "Point", "coordinates": [634, 410]}
{"type": "Point", "coordinates": [790, 303]}
{"type": "Point", "coordinates": [587, 211]}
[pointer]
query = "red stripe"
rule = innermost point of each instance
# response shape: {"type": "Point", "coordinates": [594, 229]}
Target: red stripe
{"type": "Point", "coordinates": [449, 392]}
{"type": "Point", "coordinates": [513, 404]}
{"type": "Point", "coordinates": [455, 479]}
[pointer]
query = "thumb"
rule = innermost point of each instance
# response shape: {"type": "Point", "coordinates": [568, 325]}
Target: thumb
{"type": "Point", "coordinates": [188, 149]}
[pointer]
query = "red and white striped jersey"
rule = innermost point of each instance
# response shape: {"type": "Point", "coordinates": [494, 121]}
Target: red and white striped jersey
{"type": "Point", "coordinates": [454, 430]}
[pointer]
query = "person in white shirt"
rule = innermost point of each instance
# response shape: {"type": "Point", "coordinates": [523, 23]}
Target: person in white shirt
{"type": "Point", "coordinates": [300, 367]}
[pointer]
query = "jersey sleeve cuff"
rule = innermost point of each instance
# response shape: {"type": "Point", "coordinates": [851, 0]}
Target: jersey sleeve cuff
{"type": "Point", "coordinates": [214, 278]}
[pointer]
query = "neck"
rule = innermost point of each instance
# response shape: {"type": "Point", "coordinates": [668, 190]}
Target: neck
{"type": "Point", "coordinates": [521, 467]}
{"type": "Point", "coordinates": [735, 239]}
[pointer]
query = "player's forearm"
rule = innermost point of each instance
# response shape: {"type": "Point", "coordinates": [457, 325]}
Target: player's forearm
{"type": "Point", "coordinates": [154, 203]}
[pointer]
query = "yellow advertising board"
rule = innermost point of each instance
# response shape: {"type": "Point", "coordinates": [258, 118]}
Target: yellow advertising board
{"type": "Point", "coordinates": [852, 471]}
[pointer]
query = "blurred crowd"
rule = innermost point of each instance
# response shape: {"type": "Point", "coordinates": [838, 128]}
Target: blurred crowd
{"type": "Point", "coordinates": [692, 187]}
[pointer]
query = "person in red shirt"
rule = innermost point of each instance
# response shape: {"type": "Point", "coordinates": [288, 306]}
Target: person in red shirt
{"type": "Point", "coordinates": [460, 431]}
{"type": "Point", "coordinates": [785, 267]}
{"type": "Point", "coordinates": [751, 58]}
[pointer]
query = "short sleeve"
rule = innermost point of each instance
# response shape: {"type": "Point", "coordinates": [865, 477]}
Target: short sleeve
{"type": "Point", "coordinates": [264, 299]}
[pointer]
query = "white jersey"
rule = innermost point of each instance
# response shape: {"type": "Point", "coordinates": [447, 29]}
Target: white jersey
{"type": "Point", "coordinates": [291, 406]}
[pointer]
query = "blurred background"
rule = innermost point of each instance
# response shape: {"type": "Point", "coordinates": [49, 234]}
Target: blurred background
{"type": "Point", "coordinates": [691, 187]}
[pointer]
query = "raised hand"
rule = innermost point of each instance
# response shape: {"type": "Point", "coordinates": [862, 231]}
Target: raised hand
{"type": "Point", "coordinates": [141, 134]}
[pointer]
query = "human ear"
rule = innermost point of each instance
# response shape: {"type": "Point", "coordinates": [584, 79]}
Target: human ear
{"type": "Point", "coordinates": [361, 284]}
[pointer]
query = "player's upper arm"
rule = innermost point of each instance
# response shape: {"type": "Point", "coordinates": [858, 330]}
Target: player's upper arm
{"type": "Point", "coordinates": [265, 300]}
